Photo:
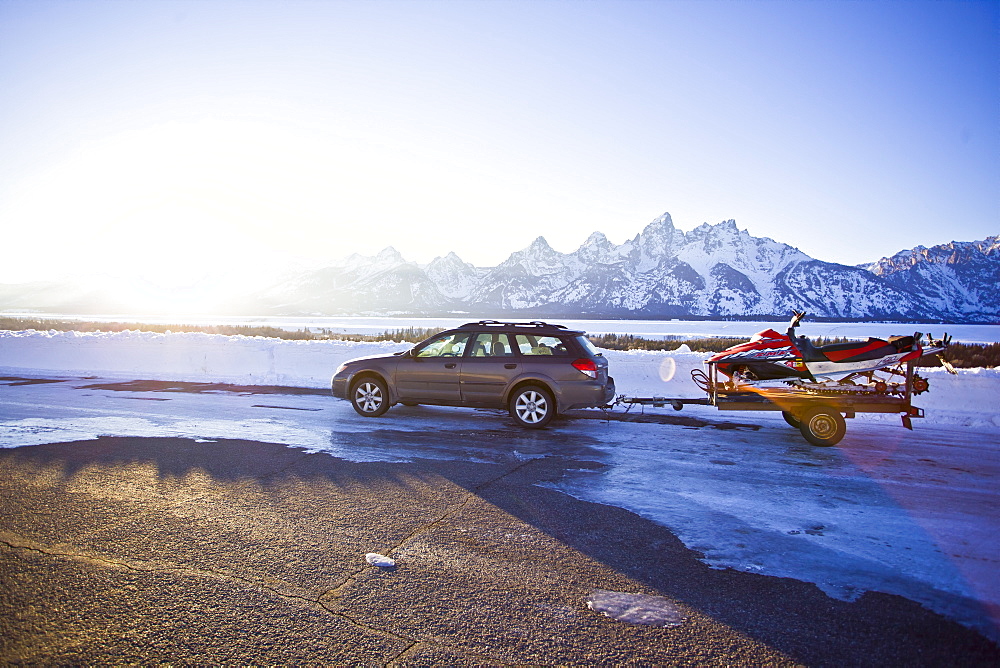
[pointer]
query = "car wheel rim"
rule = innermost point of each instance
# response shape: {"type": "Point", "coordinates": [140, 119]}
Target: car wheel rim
{"type": "Point", "coordinates": [369, 397]}
{"type": "Point", "coordinates": [531, 407]}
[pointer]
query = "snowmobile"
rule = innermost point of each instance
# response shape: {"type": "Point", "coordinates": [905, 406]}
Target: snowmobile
{"type": "Point", "coordinates": [866, 367]}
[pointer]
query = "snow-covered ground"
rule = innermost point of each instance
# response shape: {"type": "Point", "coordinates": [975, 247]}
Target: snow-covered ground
{"type": "Point", "coordinates": [969, 399]}
{"type": "Point", "coordinates": [911, 513]}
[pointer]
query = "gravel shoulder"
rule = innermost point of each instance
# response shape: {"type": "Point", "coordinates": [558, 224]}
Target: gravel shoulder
{"type": "Point", "coordinates": [125, 550]}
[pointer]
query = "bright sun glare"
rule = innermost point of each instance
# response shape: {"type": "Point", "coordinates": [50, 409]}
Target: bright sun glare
{"type": "Point", "coordinates": [172, 204]}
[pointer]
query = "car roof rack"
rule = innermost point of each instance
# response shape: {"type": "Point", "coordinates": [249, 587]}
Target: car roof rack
{"type": "Point", "coordinates": [536, 324]}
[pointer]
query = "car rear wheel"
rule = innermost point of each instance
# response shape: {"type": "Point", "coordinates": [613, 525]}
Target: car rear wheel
{"type": "Point", "coordinates": [532, 406]}
{"type": "Point", "coordinates": [370, 397]}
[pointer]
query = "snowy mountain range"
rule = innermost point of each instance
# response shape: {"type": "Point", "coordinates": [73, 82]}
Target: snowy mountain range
{"type": "Point", "coordinates": [957, 277]}
{"type": "Point", "coordinates": [663, 272]}
{"type": "Point", "coordinates": [711, 271]}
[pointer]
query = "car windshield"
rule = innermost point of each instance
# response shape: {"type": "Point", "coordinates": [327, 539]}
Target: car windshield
{"type": "Point", "coordinates": [446, 345]}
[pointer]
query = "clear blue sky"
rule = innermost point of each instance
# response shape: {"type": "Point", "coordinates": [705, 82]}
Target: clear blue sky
{"type": "Point", "coordinates": [157, 137]}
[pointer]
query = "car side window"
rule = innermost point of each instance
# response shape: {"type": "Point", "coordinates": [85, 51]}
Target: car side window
{"type": "Point", "coordinates": [529, 344]}
{"type": "Point", "coordinates": [492, 344]}
{"type": "Point", "coordinates": [446, 345]}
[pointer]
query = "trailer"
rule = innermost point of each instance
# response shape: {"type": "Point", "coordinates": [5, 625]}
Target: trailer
{"type": "Point", "coordinates": [817, 412]}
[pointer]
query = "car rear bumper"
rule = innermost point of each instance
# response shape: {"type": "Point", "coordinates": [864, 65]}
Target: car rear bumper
{"type": "Point", "coordinates": [586, 394]}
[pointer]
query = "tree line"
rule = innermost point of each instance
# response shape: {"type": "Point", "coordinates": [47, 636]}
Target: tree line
{"type": "Point", "coordinates": [961, 355]}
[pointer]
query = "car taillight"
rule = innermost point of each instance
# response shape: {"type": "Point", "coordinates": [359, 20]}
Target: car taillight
{"type": "Point", "coordinates": [586, 366]}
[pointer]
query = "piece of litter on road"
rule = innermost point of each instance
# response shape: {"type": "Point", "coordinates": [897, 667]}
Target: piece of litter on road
{"type": "Point", "coordinates": [379, 560]}
{"type": "Point", "coordinates": [635, 608]}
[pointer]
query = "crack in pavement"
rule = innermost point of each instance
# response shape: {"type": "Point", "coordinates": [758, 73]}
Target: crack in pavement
{"type": "Point", "coordinates": [15, 543]}
{"type": "Point", "coordinates": [32, 546]}
{"type": "Point", "coordinates": [468, 497]}
{"type": "Point", "coordinates": [351, 579]}
{"type": "Point", "coordinates": [325, 601]}
{"type": "Point", "coordinates": [205, 573]}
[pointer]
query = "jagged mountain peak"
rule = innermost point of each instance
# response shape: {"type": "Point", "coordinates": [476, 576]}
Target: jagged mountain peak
{"type": "Point", "coordinates": [386, 257]}
{"type": "Point", "coordinates": [959, 277]}
{"type": "Point", "coordinates": [540, 244]}
{"type": "Point", "coordinates": [660, 228]}
{"type": "Point", "coordinates": [351, 259]}
{"type": "Point", "coordinates": [538, 250]}
{"type": "Point", "coordinates": [597, 239]}
{"type": "Point", "coordinates": [655, 245]}
{"type": "Point", "coordinates": [725, 227]}
{"type": "Point", "coordinates": [454, 277]}
{"type": "Point", "coordinates": [450, 258]}
{"type": "Point", "coordinates": [953, 252]}
{"type": "Point", "coordinates": [389, 254]}
{"type": "Point", "coordinates": [663, 220]}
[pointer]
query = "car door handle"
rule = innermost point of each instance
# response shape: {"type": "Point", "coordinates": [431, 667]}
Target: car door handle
{"type": "Point", "coordinates": [510, 366]}
{"type": "Point", "coordinates": [450, 365]}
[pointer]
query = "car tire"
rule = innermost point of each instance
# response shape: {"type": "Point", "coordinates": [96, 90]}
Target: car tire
{"type": "Point", "coordinates": [370, 396]}
{"type": "Point", "coordinates": [532, 406]}
{"type": "Point", "coordinates": [823, 426]}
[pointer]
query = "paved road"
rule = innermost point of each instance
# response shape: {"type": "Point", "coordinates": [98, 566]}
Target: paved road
{"type": "Point", "coordinates": [145, 549]}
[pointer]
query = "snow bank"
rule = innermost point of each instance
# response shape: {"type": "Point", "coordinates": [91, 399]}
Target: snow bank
{"type": "Point", "coordinates": [254, 360]}
{"type": "Point", "coordinates": [188, 356]}
{"type": "Point", "coordinates": [968, 399]}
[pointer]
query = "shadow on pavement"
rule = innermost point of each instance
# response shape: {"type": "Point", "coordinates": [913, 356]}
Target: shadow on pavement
{"type": "Point", "coordinates": [492, 567]}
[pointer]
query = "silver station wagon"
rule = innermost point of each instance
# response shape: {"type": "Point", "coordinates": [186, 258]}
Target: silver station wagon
{"type": "Point", "coordinates": [533, 369]}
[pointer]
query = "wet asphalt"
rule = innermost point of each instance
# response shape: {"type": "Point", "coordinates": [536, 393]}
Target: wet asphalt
{"type": "Point", "coordinates": [164, 550]}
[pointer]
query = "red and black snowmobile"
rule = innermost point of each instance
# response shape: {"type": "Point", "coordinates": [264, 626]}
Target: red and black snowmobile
{"type": "Point", "coordinates": [851, 366]}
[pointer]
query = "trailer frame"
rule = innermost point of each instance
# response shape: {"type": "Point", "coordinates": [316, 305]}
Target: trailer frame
{"type": "Point", "coordinates": [818, 416]}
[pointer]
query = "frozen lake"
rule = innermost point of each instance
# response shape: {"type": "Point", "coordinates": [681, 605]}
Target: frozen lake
{"type": "Point", "coordinates": [651, 329]}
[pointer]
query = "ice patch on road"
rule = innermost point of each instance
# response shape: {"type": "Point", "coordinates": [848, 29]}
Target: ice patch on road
{"type": "Point", "coordinates": [376, 559]}
{"type": "Point", "coordinates": [636, 608]}
{"type": "Point", "coordinates": [41, 431]}
{"type": "Point", "coordinates": [887, 510]}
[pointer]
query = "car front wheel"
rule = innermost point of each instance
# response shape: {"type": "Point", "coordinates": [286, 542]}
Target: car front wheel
{"type": "Point", "coordinates": [370, 397]}
{"type": "Point", "coordinates": [532, 406]}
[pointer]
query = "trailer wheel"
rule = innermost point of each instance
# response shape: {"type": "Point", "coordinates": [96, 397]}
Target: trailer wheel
{"type": "Point", "coordinates": [791, 419]}
{"type": "Point", "coordinates": [823, 426]}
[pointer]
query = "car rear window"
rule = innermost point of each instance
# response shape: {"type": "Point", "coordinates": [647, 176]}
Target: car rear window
{"type": "Point", "coordinates": [587, 345]}
{"type": "Point", "coordinates": [531, 344]}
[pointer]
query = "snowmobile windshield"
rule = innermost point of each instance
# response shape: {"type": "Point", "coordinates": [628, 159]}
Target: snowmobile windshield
{"type": "Point", "coordinates": [766, 334]}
